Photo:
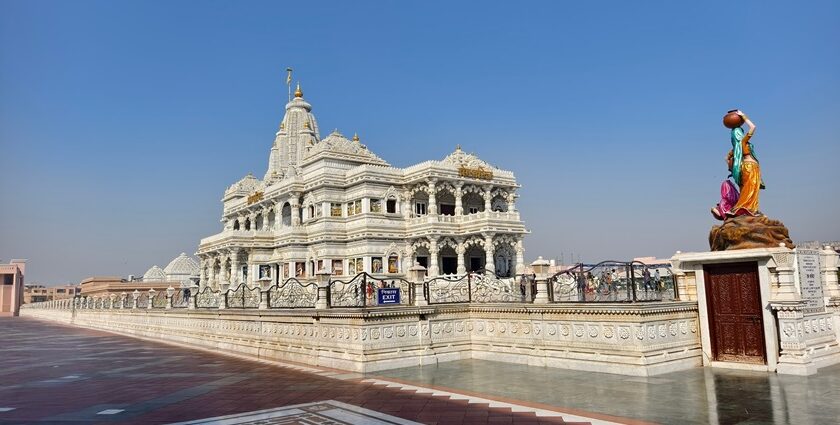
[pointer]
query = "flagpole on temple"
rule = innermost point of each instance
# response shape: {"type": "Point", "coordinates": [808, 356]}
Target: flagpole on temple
{"type": "Point", "coordinates": [289, 82]}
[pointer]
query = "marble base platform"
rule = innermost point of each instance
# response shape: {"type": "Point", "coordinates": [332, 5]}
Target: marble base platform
{"type": "Point", "coordinates": [639, 339]}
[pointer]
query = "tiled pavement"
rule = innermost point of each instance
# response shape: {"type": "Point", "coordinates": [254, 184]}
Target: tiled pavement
{"type": "Point", "coordinates": [696, 396]}
{"type": "Point", "coordinates": [57, 374]}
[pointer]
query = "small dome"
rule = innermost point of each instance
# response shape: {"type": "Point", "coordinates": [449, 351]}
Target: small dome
{"type": "Point", "coordinates": [459, 158]}
{"type": "Point", "coordinates": [154, 274]}
{"type": "Point", "coordinates": [182, 265]}
{"type": "Point", "coordinates": [247, 184]}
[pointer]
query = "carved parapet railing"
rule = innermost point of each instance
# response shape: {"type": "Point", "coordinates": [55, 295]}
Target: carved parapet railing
{"type": "Point", "coordinates": [208, 298]}
{"type": "Point", "coordinates": [292, 294]}
{"type": "Point", "coordinates": [243, 296]}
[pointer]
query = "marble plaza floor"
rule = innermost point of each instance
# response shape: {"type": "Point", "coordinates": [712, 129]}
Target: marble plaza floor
{"type": "Point", "coordinates": [51, 373]}
{"type": "Point", "coordinates": [57, 374]}
{"type": "Point", "coordinates": [698, 396]}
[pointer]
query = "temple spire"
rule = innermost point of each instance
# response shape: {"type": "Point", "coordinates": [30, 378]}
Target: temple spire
{"type": "Point", "coordinates": [298, 91]}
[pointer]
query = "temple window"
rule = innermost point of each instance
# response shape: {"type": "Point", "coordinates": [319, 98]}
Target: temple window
{"type": "Point", "coordinates": [420, 208]}
{"type": "Point", "coordinates": [311, 211]}
{"type": "Point", "coordinates": [235, 224]}
{"type": "Point", "coordinates": [473, 210]}
{"type": "Point", "coordinates": [393, 264]}
{"type": "Point", "coordinates": [354, 208]}
{"type": "Point", "coordinates": [335, 210]}
{"type": "Point", "coordinates": [376, 265]}
{"type": "Point", "coordinates": [391, 206]}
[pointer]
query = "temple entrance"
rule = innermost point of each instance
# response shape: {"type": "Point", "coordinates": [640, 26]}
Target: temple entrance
{"type": "Point", "coordinates": [424, 261]}
{"type": "Point", "coordinates": [476, 263]}
{"type": "Point", "coordinates": [449, 265]}
{"type": "Point", "coordinates": [736, 328]}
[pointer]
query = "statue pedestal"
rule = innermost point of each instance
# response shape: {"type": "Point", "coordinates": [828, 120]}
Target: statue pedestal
{"type": "Point", "coordinates": [747, 232]}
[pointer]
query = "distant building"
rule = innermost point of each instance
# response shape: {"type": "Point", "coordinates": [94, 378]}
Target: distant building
{"type": "Point", "coordinates": [835, 245]}
{"type": "Point", "coordinates": [105, 285]}
{"type": "Point", "coordinates": [39, 293]}
{"type": "Point", "coordinates": [11, 287]}
{"type": "Point", "coordinates": [176, 274]}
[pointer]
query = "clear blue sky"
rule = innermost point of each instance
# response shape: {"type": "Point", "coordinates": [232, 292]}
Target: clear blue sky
{"type": "Point", "coordinates": [121, 123]}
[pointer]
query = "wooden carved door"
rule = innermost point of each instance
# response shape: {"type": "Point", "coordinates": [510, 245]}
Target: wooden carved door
{"type": "Point", "coordinates": [733, 300]}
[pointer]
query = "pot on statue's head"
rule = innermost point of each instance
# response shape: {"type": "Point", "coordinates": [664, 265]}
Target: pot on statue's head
{"type": "Point", "coordinates": [732, 120]}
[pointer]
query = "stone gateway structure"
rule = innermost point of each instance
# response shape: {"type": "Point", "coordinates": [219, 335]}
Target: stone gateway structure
{"type": "Point", "coordinates": [331, 204]}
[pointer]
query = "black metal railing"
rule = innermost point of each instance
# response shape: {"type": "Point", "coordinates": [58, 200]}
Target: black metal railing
{"type": "Point", "coordinates": [361, 290]}
{"type": "Point", "coordinates": [613, 281]}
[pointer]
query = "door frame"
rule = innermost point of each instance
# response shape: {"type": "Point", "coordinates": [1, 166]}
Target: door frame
{"type": "Point", "coordinates": [710, 307]}
{"type": "Point", "coordinates": [771, 337]}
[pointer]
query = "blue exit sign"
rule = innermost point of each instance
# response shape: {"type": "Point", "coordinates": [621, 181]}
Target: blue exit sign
{"type": "Point", "coordinates": [388, 296]}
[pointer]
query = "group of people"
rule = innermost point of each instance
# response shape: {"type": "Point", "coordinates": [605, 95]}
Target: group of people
{"type": "Point", "coordinates": [607, 281]}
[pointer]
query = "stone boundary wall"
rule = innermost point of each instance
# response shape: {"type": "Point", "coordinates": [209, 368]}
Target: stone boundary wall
{"type": "Point", "coordinates": [638, 339]}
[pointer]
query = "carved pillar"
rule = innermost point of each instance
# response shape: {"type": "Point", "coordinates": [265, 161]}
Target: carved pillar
{"type": "Point", "coordinates": [488, 198]}
{"type": "Point", "coordinates": [323, 278]}
{"type": "Point", "coordinates": [234, 269]}
{"type": "Point", "coordinates": [417, 274]}
{"type": "Point", "coordinates": [511, 202]}
{"type": "Point", "coordinates": [794, 357]}
{"type": "Point", "coordinates": [170, 292]}
{"type": "Point", "coordinates": [406, 205]}
{"type": "Point", "coordinates": [520, 256]}
{"type": "Point", "coordinates": [828, 269]}
{"type": "Point", "coordinates": [433, 258]}
{"type": "Point", "coordinates": [459, 202]}
{"type": "Point", "coordinates": [489, 251]}
{"type": "Point", "coordinates": [152, 293]}
{"type": "Point", "coordinates": [540, 267]}
{"type": "Point", "coordinates": [212, 281]}
{"type": "Point", "coordinates": [407, 259]}
{"type": "Point", "coordinates": [278, 215]}
{"type": "Point", "coordinates": [295, 205]}
{"type": "Point", "coordinates": [461, 250]}
{"type": "Point", "coordinates": [432, 197]}
{"type": "Point", "coordinates": [786, 289]}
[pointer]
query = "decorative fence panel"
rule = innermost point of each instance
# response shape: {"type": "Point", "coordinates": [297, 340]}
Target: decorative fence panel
{"type": "Point", "coordinates": [351, 293]}
{"type": "Point", "coordinates": [143, 300]}
{"type": "Point", "coordinates": [207, 298]}
{"type": "Point", "coordinates": [243, 297]}
{"type": "Point", "coordinates": [159, 300]}
{"type": "Point", "coordinates": [448, 289]}
{"type": "Point", "coordinates": [293, 294]}
{"type": "Point", "coordinates": [181, 298]}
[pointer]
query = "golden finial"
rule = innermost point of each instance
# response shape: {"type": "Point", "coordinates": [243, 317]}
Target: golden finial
{"type": "Point", "coordinates": [355, 137]}
{"type": "Point", "coordinates": [298, 91]}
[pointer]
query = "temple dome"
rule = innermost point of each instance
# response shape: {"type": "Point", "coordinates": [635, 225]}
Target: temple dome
{"type": "Point", "coordinates": [245, 186]}
{"type": "Point", "coordinates": [336, 143]}
{"type": "Point", "coordinates": [459, 158]}
{"type": "Point", "coordinates": [180, 268]}
{"type": "Point", "coordinates": [154, 274]}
